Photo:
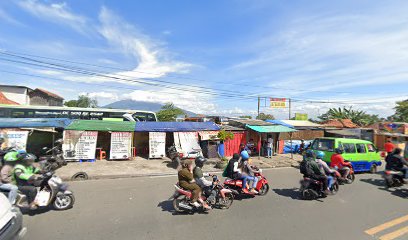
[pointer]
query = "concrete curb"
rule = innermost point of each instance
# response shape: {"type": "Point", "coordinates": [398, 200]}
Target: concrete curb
{"type": "Point", "coordinates": [123, 176]}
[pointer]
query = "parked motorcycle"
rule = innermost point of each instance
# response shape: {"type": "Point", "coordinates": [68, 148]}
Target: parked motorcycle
{"type": "Point", "coordinates": [262, 186]}
{"type": "Point", "coordinates": [222, 199]}
{"type": "Point", "coordinates": [175, 156]}
{"type": "Point", "coordinates": [53, 158]}
{"type": "Point", "coordinates": [393, 178]}
{"type": "Point", "coordinates": [311, 189]}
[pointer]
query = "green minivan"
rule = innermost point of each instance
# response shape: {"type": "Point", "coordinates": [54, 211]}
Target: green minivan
{"type": "Point", "coordinates": [362, 154]}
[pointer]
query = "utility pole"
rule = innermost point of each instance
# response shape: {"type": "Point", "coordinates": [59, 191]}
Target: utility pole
{"type": "Point", "coordinates": [259, 104]}
{"type": "Point", "coordinates": [290, 108]}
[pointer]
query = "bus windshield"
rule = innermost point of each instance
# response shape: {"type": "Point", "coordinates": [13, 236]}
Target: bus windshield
{"type": "Point", "coordinates": [323, 145]}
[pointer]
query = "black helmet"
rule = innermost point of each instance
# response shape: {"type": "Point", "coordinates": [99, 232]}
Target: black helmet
{"type": "Point", "coordinates": [29, 158]}
{"type": "Point", "coordinates": [199, 161]}
{"type": "Point", "coordinates": [338, 151]}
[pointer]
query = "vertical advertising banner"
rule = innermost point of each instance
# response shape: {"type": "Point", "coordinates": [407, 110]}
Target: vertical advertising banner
{"type": "Point", "coordinates": [17, 139]}
{"type": "Point", "coordinates": [157, 144]}
{"type": "Point", "coordinates": [121, 145]}
{"type": "Point", "coordinates": [79, 144]}
{"type": "Point", "coordinates": [278, 102]}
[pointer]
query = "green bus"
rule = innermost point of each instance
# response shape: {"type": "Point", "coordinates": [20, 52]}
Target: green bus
{"type": "Point", "coordinates": [362, 154]}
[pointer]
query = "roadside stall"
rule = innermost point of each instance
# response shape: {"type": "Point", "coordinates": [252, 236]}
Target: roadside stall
{"type": "Point", "coordinates": [96, 139]}
{"type": "Point", "coordinates": [32, 134]}
{"type": "Point", "coordinates": [185, 136]}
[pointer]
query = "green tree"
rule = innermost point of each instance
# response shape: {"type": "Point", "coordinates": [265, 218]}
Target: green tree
{"type": "Point", "coordinates": [263, 116]}
{"type": "Point", "coordinates": [401, 112]}
{"type": "Point", "coordinates": [169, 113]}
{"type": "Point", "coordinates": [358, 117]}
{"type": "Point", "coordinates": [83, 101]}
{"type": "Point", "coordinates": [247, 116]}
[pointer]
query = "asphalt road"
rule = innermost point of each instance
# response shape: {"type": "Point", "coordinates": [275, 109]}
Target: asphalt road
{"type": "Point", "coordinates": [138, 209]}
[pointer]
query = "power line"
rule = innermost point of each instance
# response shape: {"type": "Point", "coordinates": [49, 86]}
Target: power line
{"type": "Point", "coordinates": [160, 75]}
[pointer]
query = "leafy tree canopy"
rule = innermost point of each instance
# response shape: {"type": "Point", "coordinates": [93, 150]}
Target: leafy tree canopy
{"type": "Point", "coordinates": [358, 117]}
{"type": "Point", "coordinates": [83, 101]}
{"type": "Point", "coordinates": [263, 116]}
{"type": "Point", "coordinates": [246, 116]}
{"type": "Point", "coordinates": [169, 113]}
{"type": "Point", "coordinates": [401, 112]}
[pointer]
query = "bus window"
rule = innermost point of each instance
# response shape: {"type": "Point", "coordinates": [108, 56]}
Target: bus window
{"type": "Point", "coordinates": [361, 148]}
{"type": "Point", "coordinates": [349, 148]}
{"type": "Point", "coordinates": [18, 114]}
{"type": "Point", "coordinates": [151, 117]}
{"type": "Point", "coordinates": [140, 117]}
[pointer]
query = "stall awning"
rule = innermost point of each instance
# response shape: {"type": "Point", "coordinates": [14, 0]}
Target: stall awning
{"type": "Point", "coordinates": [175, 126]}
{"type": "Point", "coordinates": [98, 125]}
{"type": "Point", "coordinates": [271, 129]}
{"type": "Point", "coordinates": [34, 122]}
{"type": "Point", "coordinates": [208, 135]}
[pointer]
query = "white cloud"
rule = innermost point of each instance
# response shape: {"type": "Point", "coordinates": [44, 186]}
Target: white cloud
{"type": "Point", "coordinates": [153, 59]}
{"type": "Point", "coordinates": [6, 17]}
{"type": "Point", "coordinates": [55, 12]}
{"type": "Point", "coordinates": [195, 102]}
{"type": "Point", "coordinates": [104, 95]}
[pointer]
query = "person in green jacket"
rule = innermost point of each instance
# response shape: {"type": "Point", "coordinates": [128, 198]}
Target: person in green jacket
{"type": "Point", "coordinates": [24, 175]}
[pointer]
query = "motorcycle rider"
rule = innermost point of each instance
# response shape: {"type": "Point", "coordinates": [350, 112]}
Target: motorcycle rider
{"type": "Point", "coordinates": [234, 170]}
{"type": "Point", "coordinates": [199, 177]}
{"type": "Point", "coordinates": [247, 171]}
{"type": "Point", "coordinates": [25, 174]}
{"type": "Point", "coordinates": [396, 162]}
{"type": "Point", "coordinates": [325, 168]}
{"type": "Point", "coordinates": [7, 172]}
{"type": "Point", "coordinates": [337, 162]}
{"type": "Point", "coordinates": [314, 170]}
{"type": "Point", "coordinates": [186, 181]}
{"type": "Point", "coordinates": [2, 151]}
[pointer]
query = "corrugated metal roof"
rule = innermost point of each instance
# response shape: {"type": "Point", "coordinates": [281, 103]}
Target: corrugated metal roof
{"type": "Point", "coordinates": [252, 122]}
{"type": "Point", "coordinates": [301, 123]}
{"type": "Point", "coordinates": [175, 126]}
{"type": "Point", "coordinates": [269, 129]}
{"type": "Point", "coordinates": [231, 128]}
{"type": "Point", "coordinates": [34, 122]}
{"type": "Point", "coordinates": [280, 122]}
{"type": "Point", "coordinates": [98, 125]}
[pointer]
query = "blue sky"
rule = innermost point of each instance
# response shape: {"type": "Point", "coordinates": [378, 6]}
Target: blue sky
{"type": "Point", "coordinates": [340, 51]}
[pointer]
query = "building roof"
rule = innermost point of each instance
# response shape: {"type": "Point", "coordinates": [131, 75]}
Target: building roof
{"type": "Point", "coordinates": [253, 122]}
{"type": "Point", "coordinates": [271, 129]}
{"type": "Point", "coordinates": [34, 122]}
{"type": "Point", "coordinates": [49, 93]}
{"type": "Point", "coordinates": [279, 122]}
{"type": "Point", "coordinates": [175, 126]}
{"type": "Point", "coordinates": [231, 128]}
{"type": "Point", "coordinates": [340, 123]}
{"type": "Point", "coordinates": [15, 86]}
{"type": "Point", "coordinates": [5, 100]}
{"type": "Point", "coordinates": [301, 123]}
{"type": "Point", "coordinates": [98, 125]}
{"type": "Point", "coordinates": [344, 132]}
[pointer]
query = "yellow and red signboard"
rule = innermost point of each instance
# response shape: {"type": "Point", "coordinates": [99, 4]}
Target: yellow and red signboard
{"type": "Point", "coordinates": [278, 102]}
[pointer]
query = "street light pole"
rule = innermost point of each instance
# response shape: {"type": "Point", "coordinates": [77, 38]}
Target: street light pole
{"type": "Point", "coordinates": [259, 104]}
{"type": "Point", "coordinates": [290, 108]}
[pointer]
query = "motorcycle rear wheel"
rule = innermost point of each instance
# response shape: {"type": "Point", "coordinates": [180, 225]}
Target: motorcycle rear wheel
{"type": "Point", "coordinates": [309, 194]}
{"type": "Point", "coordinates": [176, 202]}
{"type": "Point", "coordinates": [63, 202]}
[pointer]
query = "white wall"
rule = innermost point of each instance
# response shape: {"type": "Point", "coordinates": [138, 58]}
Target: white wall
{"type": "Point", "coordinates": [16, 94]}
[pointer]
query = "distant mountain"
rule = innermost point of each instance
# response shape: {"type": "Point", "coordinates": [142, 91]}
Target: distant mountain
{"type": "Point", "coordinates": [141, 105]}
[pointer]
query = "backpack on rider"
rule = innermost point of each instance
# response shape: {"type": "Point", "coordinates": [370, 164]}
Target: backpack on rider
{"type": "Point", "coordinates": [304, 166]}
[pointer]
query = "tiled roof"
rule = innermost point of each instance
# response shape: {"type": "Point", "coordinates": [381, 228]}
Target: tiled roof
{"type": "Point", "coordinates": [5, 100]}
{"type": "Point", "coordinates": [340, 123]}
{"type": "Point", "coordinates": [49, 93]}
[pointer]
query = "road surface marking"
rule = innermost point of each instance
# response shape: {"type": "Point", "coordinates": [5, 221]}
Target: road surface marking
{"type": "Point", "coordinates": [395, 234]}
{"type": "Point", "coordinates": [386, 225]}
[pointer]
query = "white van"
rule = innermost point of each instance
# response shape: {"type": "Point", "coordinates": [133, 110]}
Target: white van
{"type": "Point", "coordinates": [11, 221]}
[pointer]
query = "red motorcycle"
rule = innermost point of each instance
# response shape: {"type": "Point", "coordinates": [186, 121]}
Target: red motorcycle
{"type": "Point", "coordinates": [262, 186]}
{"type": "Point", "coordinates": [222, 198]}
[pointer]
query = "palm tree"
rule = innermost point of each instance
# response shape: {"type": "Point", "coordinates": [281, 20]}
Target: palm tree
{"type": "Point", "coordinates": [358, 117]}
